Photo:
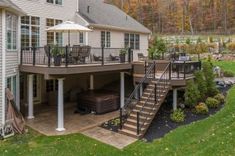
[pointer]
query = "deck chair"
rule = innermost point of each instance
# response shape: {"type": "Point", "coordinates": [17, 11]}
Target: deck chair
{"type": "Point", "coordinates": [75, 53]}
{"type": "Point", "coordinates": [141, 57]}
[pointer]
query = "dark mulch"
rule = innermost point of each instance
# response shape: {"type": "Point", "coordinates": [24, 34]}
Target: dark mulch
{"type": "Point", "coordinates": [161, 124]}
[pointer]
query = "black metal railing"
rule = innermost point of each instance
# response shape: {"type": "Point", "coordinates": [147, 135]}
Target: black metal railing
{"type": "Point", "coordinates": [132, 100]}
{"type": "Point", "coordinates": [156, 94]}
{"type": "Point", "coordinates": [52, 56]}
{"type": "Point", "coordinates": [184, 69]}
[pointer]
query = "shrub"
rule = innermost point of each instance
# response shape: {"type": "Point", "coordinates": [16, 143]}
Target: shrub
{"type": "Point", "coordinates": [220, 98]}
{"type": "Point", "coordinates": [201, 108]}
{"type": "Point", "coordinates": [178, 115]}
{"type": "Point", "coordinates": [228, 74]}
{"type": "Point", "coordinates": [201, 83]}
{"type": "Point", "coordinates": [212, 103]}
{"type": "Point", "coordinates": [157, 49]}
{"type": "Point", "coordinates": [192, 95]}
{"type": "Point", "coordinates": [231, 46]}
{"type": "Point", "coordinates": [207, 69]}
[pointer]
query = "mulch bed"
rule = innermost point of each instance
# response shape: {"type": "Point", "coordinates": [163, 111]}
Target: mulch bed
{"type": "Point", "coordinates": [162, 124]}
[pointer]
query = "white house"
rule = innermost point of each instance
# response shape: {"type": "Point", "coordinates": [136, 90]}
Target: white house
{"type": "Point", "coordinates": [24, 24]}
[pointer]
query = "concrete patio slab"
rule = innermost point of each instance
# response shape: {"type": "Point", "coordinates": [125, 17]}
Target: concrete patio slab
{"type": "Point", "coordinates": [108, 137]}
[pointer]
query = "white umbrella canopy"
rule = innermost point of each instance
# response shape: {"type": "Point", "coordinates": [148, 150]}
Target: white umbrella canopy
{"type": "Point", "coordinates": [68, 27]}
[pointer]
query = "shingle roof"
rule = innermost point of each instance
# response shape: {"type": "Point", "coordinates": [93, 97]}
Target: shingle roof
{"type": "Point", "coordinates": [108, 15]}
{"type": "Point", "coordinates": [10, 5]}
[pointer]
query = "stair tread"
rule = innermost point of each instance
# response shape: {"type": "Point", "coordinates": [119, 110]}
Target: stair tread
{"type": "Point", "coordinates": [129, 132]}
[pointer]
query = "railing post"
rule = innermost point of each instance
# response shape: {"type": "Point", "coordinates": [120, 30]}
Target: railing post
{"type": "Point", "coordinates": [66, 56]}
{"type": "Point", "coordinates": [155, 93]}
{"type": "Point", "coordinates": [145, 67]}
{"type": "Point", "coordinates": [102, 51]}
{"type": "Point", "coordinates": [129, 55]}
{"type": "Point", "coordinates": [49, 56]}
{"type": "Point", "coordinates": [120, 117]}
{"type": "Point", "coordinates": [21, 56]}
{"type": "Point", "coordinates": [170, 70]}
{"type": "Point", "coordinates": [138, 123]}
{"type": "Point", "coordinates": [34, 56]}
{"type": "Point", "coordinates": [184, 69]}
{"type": "Point", "coordinates": [154, 70]}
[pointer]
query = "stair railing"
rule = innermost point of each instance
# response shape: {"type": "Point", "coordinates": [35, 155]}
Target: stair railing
{"type": "Point", "coordinates": [160, 85]}
{"type": "Point", "coordinates": [131, 101]}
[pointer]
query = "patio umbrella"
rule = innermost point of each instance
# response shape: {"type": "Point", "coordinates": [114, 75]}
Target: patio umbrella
{"type": "Point", "coordinates": [68, 27]}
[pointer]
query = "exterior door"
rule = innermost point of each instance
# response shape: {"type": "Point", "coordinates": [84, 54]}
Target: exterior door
{"type": "Point", "coordinates": [37, 89]}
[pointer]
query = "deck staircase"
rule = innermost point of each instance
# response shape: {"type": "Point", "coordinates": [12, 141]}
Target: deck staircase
{"type": "Point", "coordinates": [137, 115]}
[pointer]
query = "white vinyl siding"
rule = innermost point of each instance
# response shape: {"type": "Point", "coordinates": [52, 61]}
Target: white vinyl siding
{"type": "Point", "coordinates": [1, 105]}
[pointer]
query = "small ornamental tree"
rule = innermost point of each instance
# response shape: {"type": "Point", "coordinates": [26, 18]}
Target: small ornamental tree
{"type": "Point", "coordinates": [201, 83]}
{"type": "Point", "coordinates": [192, 95]}
{"type": "Point", "coordinates": [158, 49]}
{"type": "Point", "coordinates": [207, 69]}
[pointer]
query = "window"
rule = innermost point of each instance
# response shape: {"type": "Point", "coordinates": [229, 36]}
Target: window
{"type": "Point", "coordinates": [11, 84]}
{"type": "Point", "coordinates": [81, 37]}
{"type": "Point", "coordinates": [132, 41]}
{"type": "Point", "coordinates": [30, 31]}
{"type": "Point", "coordinates": [51, 85]}
{"type": "Point", "coordinates": [52, 37]}
{"type": "Point", "coordinates": [105, 39]}
{"type": "Point", "coordinates": [59, 2]}
{"type": "Point", "coordinates": [11, 31]}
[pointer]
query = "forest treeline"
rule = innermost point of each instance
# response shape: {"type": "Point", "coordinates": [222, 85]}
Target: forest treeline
{"type": "Point", "coordinates": [182, 16]}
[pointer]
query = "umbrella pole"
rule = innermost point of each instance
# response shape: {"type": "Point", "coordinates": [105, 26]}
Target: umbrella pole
{"type": "Point", "coordinates": [69, 38]}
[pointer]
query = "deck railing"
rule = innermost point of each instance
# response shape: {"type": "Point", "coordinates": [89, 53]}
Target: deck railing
{"type": "Point", "coordinates": [76, 55]}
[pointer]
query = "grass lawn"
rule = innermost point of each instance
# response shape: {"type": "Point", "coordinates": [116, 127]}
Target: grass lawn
{"type": "Point", "coordinates": [226, 65]}
{"type": "Point", "coordinates": [212, 136]}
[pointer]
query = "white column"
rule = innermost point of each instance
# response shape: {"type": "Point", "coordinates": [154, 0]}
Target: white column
{"type": "Point", "coordinates": [174, 99]}
{"type": "Point", "coordinates": [60, 118]}
{"type": "Point", "coordinates": [87, 39]}
{"type": "Point", "coordinates": [136, 93]}
{"type": "Point", "coordinates": [122, 90]}
{"type": "Point", "coordinates": [91, 82]}
{"type": "Point", "coordinates": [30, 97]}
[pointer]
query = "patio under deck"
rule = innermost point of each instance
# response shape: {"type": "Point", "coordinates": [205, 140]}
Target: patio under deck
{"type": "Point", "coordinates": [45, 120]}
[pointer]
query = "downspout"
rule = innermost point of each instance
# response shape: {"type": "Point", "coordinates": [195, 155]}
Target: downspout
{"type": "Point", "coordinates": [3, 65]}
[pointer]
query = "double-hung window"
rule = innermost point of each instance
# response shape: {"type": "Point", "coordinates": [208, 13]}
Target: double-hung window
{"type": "Point", "coordinates": [132, 41]}
{"type": "Point", "coordinates": [30, 31]}
{"type": "Point", "coordinates": [81, 37]}
{"type": "Point", "coordinates": [105, 39]}
{"type": "Point", "coordinates": [54, 37]}
{"type": "Point", "coordinates": [59, 2]}
{"type": "Point", "coordinates": [11, 31]}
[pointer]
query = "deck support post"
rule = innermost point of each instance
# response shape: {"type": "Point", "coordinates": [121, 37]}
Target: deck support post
{"type": "Point", "coordinates": [122, 90]}
{"type": "Point", "coordinates": [175, 99]}
{"type": "Point", "coordinates": [60, 126]}
{"type": "Point", "coordinates": [141, 90]}
{"type": "Point", "coordinates": [30, 97]}
{"type": "Point", "coordinates": [91, 82]}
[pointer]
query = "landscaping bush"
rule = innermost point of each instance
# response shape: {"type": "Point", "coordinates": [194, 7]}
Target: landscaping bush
{"type": "Point", "coordinates": [201, 108]}
{"type": "Point", "coordinates": [212, 102]}
{"type": "Point", "coordinates": [201, 83]}
{"type": "Point", "coordinates": [220, 98]}
{"type": "Point", "coordinates": [207, 69]}
{"type": "Point", "coordinates": [192, 95]}
{"type": "Point", "coordinates": [158, 48]}
{"type": "Point", "coordinates": [228, 74]}
{"type": "Point", "coordinates": [178, 116]}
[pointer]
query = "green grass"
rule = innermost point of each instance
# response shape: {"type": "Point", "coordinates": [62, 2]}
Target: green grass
{"type": "Point", "coordinates": [212, 136]}
{"type": "Point", "coordinates": [226, 65]}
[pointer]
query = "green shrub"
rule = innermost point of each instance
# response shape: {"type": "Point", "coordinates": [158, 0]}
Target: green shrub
{"type": "Point", "coordinates": [212, 102]}
{"type": "Point", "coordinates": [220, 98]}
{"type": "Point", "coordinates": [201, 108]}
{"type": "Point", "coordinates": [201, 83]}
{"type": "Point", "coordinates": [178, 116]}
{"type": "Point", "coordinates": [228, 74]}
{"type": "Point", "coordinates": [207, 69]}
{"type": "Point", "coordinates": [192, 95]}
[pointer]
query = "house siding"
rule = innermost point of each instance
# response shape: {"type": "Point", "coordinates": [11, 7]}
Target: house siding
{"type": "Point", "coordinates": [42, 9]}
{"type": "Point", "coordinates": [1, 105]}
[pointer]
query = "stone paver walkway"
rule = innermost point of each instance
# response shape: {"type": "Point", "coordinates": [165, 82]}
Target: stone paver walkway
{"type": "Point", "coordinates": [108, 137]}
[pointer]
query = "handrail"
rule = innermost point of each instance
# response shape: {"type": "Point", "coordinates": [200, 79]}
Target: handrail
{"type": "Point", "coordinates": [150, 96]}
{"type": "Point", "coordinates": [129, 100]}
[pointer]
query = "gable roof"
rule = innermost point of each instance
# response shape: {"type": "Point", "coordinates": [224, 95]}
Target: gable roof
{"type": "Point", "coordinates": [105, 15]}
{"type": "Point", "coordinates": [8, 4]}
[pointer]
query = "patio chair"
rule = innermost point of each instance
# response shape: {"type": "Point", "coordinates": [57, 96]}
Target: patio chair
{"type": "Point", "coordinates": [84, 53]}
{"type": "Point", "coordinates": [47, 52]}
{"type": "Point", "coordinates": [97, 58]}
{"type": "Point", "coordinates": [74, 54]}
{"type": "Point", "coordinates": [114, 58]}
{"type": "Point", "coordinates": [141, 57]}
